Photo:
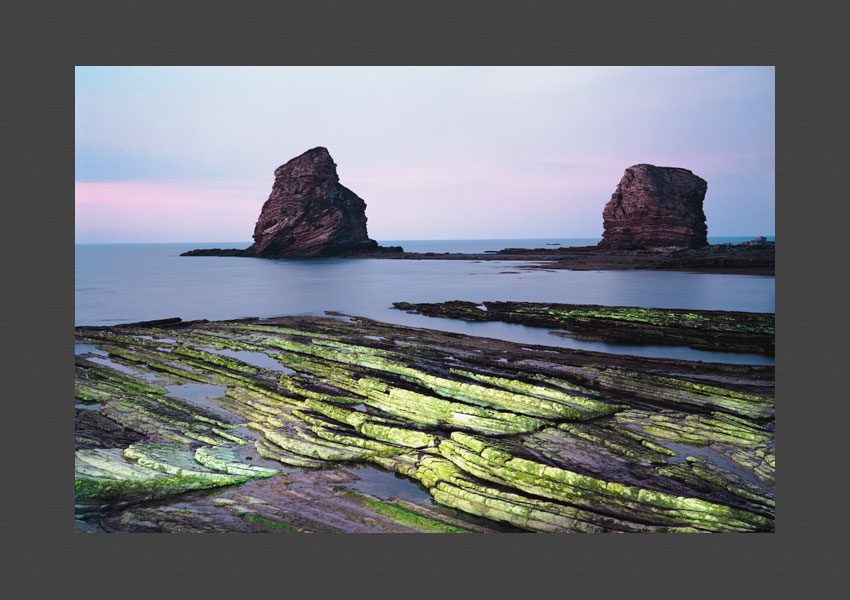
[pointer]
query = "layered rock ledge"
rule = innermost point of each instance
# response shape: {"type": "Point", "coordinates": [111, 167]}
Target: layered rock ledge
{"type": "Point", "coordinates": [288, 424]}
{"type": "Point", "coordinates": [750, 258]}
{"type": "Point", "coordinates": [719, 331]}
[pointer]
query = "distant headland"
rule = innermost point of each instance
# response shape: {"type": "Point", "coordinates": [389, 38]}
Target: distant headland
{"type": "Point", "coordinates": [654, 220]}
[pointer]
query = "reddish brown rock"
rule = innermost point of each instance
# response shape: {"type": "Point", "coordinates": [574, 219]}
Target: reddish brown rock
{"type": "Point", "coordinates": [309, 213]}
{"type": "Point", "coordinates": [656, 207]}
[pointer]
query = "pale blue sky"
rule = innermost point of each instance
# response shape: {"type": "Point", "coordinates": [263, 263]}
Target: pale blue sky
{"type": "Point", "coordinates": [188, 153]}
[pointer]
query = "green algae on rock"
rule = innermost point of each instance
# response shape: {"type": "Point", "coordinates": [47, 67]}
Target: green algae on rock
{"type": "Point", "coordinates": [111, 475]}
{"type": "Point", "coordinates": [400, 513]}
{"type": "Point", "coordinates": [496, 434]}
{"type": "Point", "coordinates": [722, 331]}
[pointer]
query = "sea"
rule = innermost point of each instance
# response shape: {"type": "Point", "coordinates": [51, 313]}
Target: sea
{"type": "Point", "coordinates": [121, 283]}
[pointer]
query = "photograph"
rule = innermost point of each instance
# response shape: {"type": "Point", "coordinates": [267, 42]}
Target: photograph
{"type": "Point", "coordinates": [424, 299]}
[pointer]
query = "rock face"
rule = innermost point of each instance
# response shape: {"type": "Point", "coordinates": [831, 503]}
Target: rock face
{"type": "Point", "coordinates": [309, 213]}
{"type": "Point", "coordinates": [656, 207]}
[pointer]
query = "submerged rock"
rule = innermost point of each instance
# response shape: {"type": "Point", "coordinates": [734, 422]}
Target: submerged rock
{"type": "Point", "coordinates": [656, 207]}
{"type": "Point", "coordinates": [309, 212]}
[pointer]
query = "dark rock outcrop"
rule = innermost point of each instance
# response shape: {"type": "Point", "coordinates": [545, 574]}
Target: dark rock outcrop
{"type": "Point", "coordinates": [309, 213]}
{"type": "Point", "coordinates": [717, 331]}
{"type": "Point", "coordinates": [217, 252]}
{"type": "Point", "coordinates": [656, 207]}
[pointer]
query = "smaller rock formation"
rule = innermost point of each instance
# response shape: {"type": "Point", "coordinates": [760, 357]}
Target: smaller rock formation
{"type": "Point", "coordinates": [655, 207]}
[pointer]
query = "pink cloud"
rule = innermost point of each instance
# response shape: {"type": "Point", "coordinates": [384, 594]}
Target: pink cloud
{"type": "Point", "coordinates": [164, 211]}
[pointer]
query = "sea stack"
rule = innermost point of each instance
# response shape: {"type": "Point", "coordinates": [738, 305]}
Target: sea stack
{"type": "Point", "coordinates": [310, 213]}
{"type": "Point", "coordinates": [655, 207]}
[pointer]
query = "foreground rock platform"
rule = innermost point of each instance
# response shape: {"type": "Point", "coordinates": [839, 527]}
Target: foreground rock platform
{"type": "Point", "coordinates": [299, 424]}
{"type": "Point", "coordinates": [720, 331]}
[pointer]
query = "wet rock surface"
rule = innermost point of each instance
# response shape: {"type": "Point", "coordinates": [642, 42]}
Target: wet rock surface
{"type": "Point", "coordinates": [480, 434]}
{"type": "Point", "coordinates": [656, 207]}
{"type": "Point", "coordinates": [722, 331]}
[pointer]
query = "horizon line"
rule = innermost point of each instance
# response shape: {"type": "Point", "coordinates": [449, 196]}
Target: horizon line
{"type": "Point", "coordinates": [726, 235]}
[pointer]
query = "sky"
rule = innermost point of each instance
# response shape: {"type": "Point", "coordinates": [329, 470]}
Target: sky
{"type": "Point", "coordinates": [187, 154]}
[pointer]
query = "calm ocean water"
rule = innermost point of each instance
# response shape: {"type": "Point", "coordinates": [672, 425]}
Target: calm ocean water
{"type": "Point", "coordinates": [118, 283]}
{"type": "Point", "coordinates": [477, 246]}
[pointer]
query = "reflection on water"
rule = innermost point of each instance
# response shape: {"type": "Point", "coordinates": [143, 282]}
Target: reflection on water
{"type": "Point", "coordinates": [200, 394]}
{"type": "Point", "coordinates": [257, 359]}
{"type": "Point", "coordinates": [385, 485]}
{"type": "Point", "coordinates": [711, 455]}
{"type": "Point", "coordinates": [134, 282]}
{"type": "Point", "coordinates": [89, 349]}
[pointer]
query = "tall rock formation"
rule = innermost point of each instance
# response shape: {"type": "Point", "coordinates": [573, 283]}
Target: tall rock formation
{"type": "Point", "coordinates": [309, 213]}
{"type": "Point", "coordinates": [655, 207]}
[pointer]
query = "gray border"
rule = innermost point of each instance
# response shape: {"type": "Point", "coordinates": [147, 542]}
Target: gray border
{"type": "Point", "coordinates": [802, 41]}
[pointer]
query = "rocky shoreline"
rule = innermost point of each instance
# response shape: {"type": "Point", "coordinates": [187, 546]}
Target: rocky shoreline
{"type": "Point", "coordinates": [368, 250]}
{"type": "Point", "coordinates": [719, 331]}
{"type": "Point", "coordinates": [301, 424]}
{"type": "Point", "coordinates": [737, 259]}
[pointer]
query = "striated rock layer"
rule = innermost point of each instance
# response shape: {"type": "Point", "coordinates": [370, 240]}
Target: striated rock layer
{"type": "Point", "coordinates": [309, 213]}
{"type": "Point", "coordinates": [713, 330]}
{"type": "Point", "coordinates": [655, 207]}
{"type": "Point", "coordinates": [303, 423]}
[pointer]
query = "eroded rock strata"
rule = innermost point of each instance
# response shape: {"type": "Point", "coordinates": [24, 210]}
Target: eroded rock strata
{"type": "Point", "coordinates": [294, 424]}
{"type": "Point", "coordinates": [721, 331]}
{"type": "Point", "coordinates": [656, 207]}
{"type": "Point", "coordinates": [309, 213]}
